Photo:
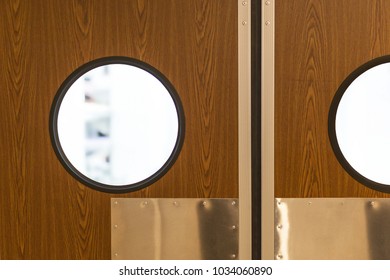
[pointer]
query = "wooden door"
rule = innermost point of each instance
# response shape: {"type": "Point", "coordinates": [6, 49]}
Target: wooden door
{"type": "Point", "coordinates": [44, 212]}
{"type": "Point", "coordinates": [317, 45]}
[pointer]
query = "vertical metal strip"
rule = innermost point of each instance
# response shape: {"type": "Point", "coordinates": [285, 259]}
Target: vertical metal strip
{"type": "Point", "coordinates": [244, 128]}
{"type": "Point", "coordinates": [267, 108]}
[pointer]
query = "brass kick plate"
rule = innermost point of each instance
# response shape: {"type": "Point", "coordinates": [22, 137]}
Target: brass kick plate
{"type": "Point", "coordinates": [332, 228]}
{"type": "Point", "coordinates": [166, 229]}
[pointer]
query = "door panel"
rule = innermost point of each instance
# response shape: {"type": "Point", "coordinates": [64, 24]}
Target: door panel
{"type": "Point", "coordinates": [45, 213]}
{"type": "Point", "coordinates": [328, 41]}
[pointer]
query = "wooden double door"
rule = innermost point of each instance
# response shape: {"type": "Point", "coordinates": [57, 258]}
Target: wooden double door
{"type": "Point", "coordinates": [318, 44]}
{"type": "Point", "coordinates": [44, 212]}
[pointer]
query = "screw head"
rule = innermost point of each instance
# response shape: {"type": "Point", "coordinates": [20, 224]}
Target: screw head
{"type": "Point", "coordinates": [144, 204]}
{"type": "Point", "coordinates": [267, 23]}
{"type": "Point", "coordinates": [244, 3]}
{"type": "Point", "coordinates": [267, 3]}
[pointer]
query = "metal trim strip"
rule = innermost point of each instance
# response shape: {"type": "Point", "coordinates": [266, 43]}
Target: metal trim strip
{"type": "Point", "coordinates": [267, 123]}
{"type": "Point", "coordinates": [244, 128]}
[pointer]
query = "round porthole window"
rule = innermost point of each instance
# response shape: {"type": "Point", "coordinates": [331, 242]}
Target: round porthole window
{"type": "Point", "coordinates": [117, 124]}
{"type": "Point", "coordinates": [359, 124]}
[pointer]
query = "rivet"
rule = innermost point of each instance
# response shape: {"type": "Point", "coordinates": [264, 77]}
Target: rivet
{"type": "Point", "coordinates": [233, 203]}
{"type": "Point", "coordinates": [116, 254]}
{"type": "Point", "coordinates": [233, 256]}
{"type": "Point", "coordinates": [279, 256]}
{"type": "Point", "coordinates": [234, 227]}
{"type": "Point", "coordinates": [244, 22]}
{"type": "Point", "coordinates": [372, 203]}
{"type": "Point", "coordinates": [115, 226]}
{"type": "Point", "coordinates": [204, 203]}
{"type": "Point", "coordinates": [116, 202]}
{"type": "Point", "coordinates": [244, 3]}
{"type": "Point", "coordinates": [279, 202]}
{"type": "Point", "coordinates": [267, 3]}
{"type": "Point", "coordinates": [279, 226]}
{"type": "Point", "coordinates": [267, 22]}
{"type": "Point", "coordinates": [145, 203]}
{"type": "Point", "coordinates": [309, 203]}
{"type": "Point", "coordinates": [175, 203]}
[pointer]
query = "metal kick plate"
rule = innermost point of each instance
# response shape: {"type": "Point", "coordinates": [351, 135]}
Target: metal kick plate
{"type": "Point", "coordinates": [166, 229]}
{"type": "Point", "coordinates": [332, 228]}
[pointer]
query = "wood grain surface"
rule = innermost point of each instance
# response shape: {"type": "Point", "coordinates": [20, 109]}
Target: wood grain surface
{"type": "Point", "coordinates": [44, 212]}
{"type": "Point", "coordinates": [318, 44]}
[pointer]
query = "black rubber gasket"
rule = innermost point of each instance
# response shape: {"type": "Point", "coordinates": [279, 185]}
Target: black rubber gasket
{"type": "Point", "coordinates": [332, 124]}
{"type": "Point", "coordinates": [53, 129]}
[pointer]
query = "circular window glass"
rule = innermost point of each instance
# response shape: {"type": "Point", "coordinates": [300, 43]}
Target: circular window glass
{"type": "Point", "coordinates": [117, 124]}
{"type": "Point", "coordinates": [359, 124]}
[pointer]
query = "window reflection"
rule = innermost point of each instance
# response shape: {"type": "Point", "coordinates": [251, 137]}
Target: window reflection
{"type": "Point", "coordinates": [362, 124]}
{"type": "Point", "coordinates": [117, 124]}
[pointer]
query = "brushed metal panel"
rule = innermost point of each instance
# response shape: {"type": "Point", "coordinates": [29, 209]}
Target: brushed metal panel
{"type": "Point", "coordinates": [332, 228]}
{"type": "Point", "coordinates": [166, 229]}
